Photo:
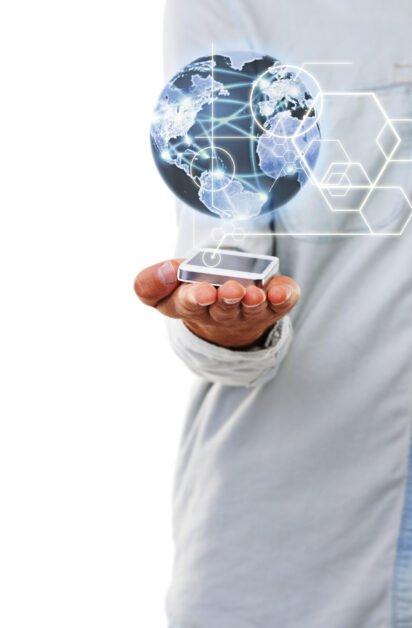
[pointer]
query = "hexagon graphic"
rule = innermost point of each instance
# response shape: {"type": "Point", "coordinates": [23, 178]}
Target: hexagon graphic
{"type": "Point", "coordinates": [330, 151]}
{"type": "Point", "coordinates": [345, 186]}
{"type": "Point", "coordinates": [338, 184]}
{"type": "Point", "coordinates": [388, 140]}
{"type": "Point", "coordinates": [403, 152]}
{"type": "Point", "coordinates": [344, 182]}
{"type": "Point", "coordinates": [375, 210]}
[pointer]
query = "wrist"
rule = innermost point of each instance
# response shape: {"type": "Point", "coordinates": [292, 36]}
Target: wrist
{"type": "Point", "coordinates": [224, 337]}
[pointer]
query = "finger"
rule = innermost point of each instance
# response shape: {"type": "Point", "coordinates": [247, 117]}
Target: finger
{"type": "Point", "coordinates": [157, 282]}
{"type": "Point", "coordinates": [281, 280]}
{"type": "Point", "coordinates": [189, 300]}
{"type": "Point", "coordinates": [282, 294]}
{"type": "Point", "coordinates": [229, 297]}
{"type": "Point", "coordinates": [254, 302]}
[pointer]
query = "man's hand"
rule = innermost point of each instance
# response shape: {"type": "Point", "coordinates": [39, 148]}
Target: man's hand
{"type": "Point", "coordinates": [230, 316]}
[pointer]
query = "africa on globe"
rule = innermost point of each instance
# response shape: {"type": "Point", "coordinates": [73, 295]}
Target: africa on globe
{"type": "Point", "coordinates": [230, 130]}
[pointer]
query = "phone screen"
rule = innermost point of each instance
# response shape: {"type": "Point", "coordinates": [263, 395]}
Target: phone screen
{"type": "Point", "coordinates": [230, 262]}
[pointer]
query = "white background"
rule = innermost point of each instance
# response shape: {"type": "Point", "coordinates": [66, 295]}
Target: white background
{"type": "Point", "coordinates": [92, 398]}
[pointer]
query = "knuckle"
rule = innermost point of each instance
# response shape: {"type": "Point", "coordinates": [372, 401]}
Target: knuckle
{"type": "Point", "coordinates": [282, 309]}
{"type": "Point", "coordinates": [257, 311]}
{"type": "Point", "coordinates": [184, 308]}
{"type": "Point", "coordinates": [221, 314]}
{"type": "Point", "coordinates": [191, 314]}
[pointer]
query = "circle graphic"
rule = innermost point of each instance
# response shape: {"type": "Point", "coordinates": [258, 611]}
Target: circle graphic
{"type": "Point", "coordinates": [219, 162]}
{"type": "Point", "coordinates": [290, 85]}
{"type": "Point", "coordinates": [211, 258]}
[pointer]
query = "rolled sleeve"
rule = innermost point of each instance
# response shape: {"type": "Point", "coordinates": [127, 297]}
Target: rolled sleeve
{"type": "Point", "coordinates": [227, 366]}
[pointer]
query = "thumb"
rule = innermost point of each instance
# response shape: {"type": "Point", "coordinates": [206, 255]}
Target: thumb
{"type": "Point", "coordinates": [157, 282]}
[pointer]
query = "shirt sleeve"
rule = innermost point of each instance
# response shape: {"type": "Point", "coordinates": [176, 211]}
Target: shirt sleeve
{"type": "Point", "coordinates": [190, 28]}
{"type": "Point", "coordinates": [226, 366]}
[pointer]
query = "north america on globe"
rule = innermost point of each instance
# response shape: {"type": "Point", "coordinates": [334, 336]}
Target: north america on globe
{"type": "Point", "coordinates": [229, 132]}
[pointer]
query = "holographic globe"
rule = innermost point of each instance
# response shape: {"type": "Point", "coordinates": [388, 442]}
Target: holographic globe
{"type": "Point", "coordinates": [235, 134]}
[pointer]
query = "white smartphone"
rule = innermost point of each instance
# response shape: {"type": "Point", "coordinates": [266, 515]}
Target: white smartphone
{"type": "Point", "coordinates": [218, 265]}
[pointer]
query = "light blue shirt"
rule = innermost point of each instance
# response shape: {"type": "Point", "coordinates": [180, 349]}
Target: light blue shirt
{"type": "Point", "coordinates": [292, 497]}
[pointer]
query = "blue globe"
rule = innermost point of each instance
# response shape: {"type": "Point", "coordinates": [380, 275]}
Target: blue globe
{"type": "Point", "coordinates": [234, 135]}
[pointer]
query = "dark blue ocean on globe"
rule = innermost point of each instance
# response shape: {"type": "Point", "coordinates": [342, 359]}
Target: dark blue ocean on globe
{"type": "Point", "coordinates": [229, 133]}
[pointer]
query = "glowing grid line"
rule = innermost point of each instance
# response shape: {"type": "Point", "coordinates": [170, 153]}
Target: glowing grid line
{"type": "Point", "coordinates": [312, 177]}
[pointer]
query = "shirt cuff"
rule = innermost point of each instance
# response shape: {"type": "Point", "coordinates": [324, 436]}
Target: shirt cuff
{"type": "Point", "coordinates": [227, 366]}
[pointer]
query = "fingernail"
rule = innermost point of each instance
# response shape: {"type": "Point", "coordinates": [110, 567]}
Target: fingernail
{"type": "Point", "coordinates": [252, 305]}
{"type": "Point", "coordinates": [232, 301]}
{"type": "Point", "coordinates": [288, 291]}
{"type": "Point", "coordinates": [167, 273]}
{"type": "Point", "coordinates": [208, 303]}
